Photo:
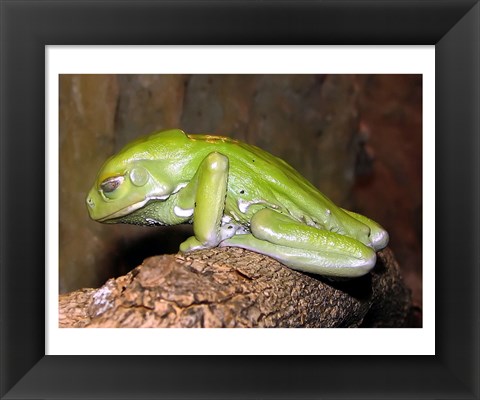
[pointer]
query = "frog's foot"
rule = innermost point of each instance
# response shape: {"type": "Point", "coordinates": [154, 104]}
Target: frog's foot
{"type": "Point", "coordinates": [305, 248]}
{"type": "Point", "coordinates": [192, 244]}
{"type": "Point", "coordinates": [378, 236]}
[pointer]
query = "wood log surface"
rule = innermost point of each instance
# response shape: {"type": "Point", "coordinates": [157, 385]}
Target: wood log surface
{"type": "Point", "coordinates": [236, 288]}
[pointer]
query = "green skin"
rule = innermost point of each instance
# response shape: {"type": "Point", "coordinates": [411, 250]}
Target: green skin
{"type": "Point", "coordinates": [236, 195]}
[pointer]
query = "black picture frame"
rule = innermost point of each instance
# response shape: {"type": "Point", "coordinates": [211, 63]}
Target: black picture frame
{"type": "Point", "coordinates": [28, 26]}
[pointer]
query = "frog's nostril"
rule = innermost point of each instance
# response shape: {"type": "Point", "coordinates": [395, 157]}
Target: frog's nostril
{"type": "Point", "coordinates": [90, 202]}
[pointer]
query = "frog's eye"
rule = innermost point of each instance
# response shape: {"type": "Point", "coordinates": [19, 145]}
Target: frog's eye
{"type": "Point", "coordinates": [139, 176]}
{"type": "Point", "coordinates": [110, 184]}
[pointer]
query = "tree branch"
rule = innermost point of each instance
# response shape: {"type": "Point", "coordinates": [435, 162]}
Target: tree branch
{"type": "Point", "coordinates": [232, 287]}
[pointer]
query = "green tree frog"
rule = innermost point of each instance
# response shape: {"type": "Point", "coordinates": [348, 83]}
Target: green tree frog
{"type": "Point", "coordinates": [235, 194]}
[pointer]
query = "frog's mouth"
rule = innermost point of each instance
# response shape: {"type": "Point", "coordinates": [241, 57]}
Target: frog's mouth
{"type": "Point", "coordinates": [124, 211]}
{"type": "Point", "coordinates": [130, 209]}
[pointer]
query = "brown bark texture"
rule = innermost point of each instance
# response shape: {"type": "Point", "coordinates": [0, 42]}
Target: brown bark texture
{"type": "Point", "coordinates": [236, 288]}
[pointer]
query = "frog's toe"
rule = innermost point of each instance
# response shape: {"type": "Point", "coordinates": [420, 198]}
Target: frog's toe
{"type": "Point", "coordinates": [379, 239]}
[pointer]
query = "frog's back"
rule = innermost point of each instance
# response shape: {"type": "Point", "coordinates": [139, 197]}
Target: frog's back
{"type": "Point", "coordinates": [259, 179]}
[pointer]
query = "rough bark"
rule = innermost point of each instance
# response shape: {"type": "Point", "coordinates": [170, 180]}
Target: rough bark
{"type": "Point", "coordinates": [231, 287]}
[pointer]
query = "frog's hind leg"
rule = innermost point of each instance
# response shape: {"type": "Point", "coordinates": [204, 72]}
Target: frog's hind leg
{"type": "Point", "coordinates": [303, 247]}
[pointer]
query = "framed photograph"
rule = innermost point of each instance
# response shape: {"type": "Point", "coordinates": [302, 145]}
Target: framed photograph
{"type": "Point", "coordinates": [438, 43]}
{"type": "Point", "coordinates": [291, 108]}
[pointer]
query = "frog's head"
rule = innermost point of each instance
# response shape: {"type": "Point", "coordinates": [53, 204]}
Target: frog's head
{"type": "Point", "coordinates": [130, 179]}
{"type": "Point", "coordinates": [146, 169]}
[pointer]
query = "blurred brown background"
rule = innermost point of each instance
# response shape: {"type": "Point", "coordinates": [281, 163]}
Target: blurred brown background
{"type": "Point", "coordinates": [356, 137]}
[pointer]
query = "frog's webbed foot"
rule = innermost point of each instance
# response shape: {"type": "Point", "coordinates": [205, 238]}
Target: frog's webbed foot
{"type": "Point", "coordinates": [303, 247]}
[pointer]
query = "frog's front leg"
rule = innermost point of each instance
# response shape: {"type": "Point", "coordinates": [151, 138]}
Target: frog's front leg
{"type": "Point", "coordinates": [206, 195]}
{"type": "Point", "coordinates": [305, 248]}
